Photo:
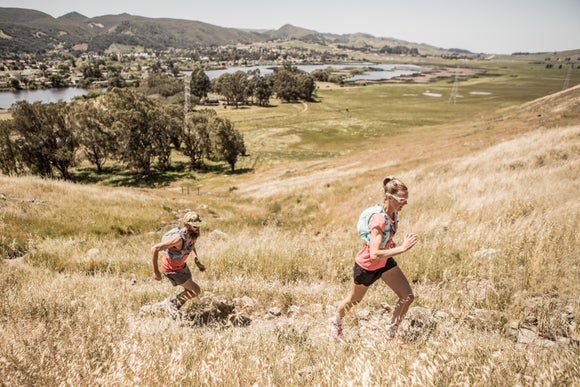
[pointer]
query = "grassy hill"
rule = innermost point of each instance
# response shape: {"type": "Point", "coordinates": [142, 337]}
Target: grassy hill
{"type": "Point", "coordinates": [494, 190]}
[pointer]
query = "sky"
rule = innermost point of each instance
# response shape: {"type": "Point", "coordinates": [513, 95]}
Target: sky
{"type": "Point", "coordinates": [490, 26]}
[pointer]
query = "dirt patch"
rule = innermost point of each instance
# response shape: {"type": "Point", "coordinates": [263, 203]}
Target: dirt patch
{"type": "Point", "coordinates": [206, 310]}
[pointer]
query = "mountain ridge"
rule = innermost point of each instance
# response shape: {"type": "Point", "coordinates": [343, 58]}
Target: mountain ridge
{"type": "Point", "coordinates": [30, 31]}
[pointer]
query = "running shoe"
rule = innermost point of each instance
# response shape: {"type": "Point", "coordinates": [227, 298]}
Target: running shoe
{"type": "Point", "coordinates": [335, 330]}
{"type": "Point", "coordinates": [392, 331]}
{"type": "Point", "coordinates": [391, 336]}
{"type": "Point", "coordinates": [172, 309]}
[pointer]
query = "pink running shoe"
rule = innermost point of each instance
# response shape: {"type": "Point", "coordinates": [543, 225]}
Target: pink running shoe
{"type": "Point", "coordinates": [392, 331]}
{"type": "Point", "coordinates": [335, 330]}
{"type": "Point", "coordinates": [391, 336]}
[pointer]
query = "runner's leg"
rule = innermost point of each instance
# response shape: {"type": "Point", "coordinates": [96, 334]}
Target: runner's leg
{"type": "Point", "coordinates": [191, 290]}
{"type": "Point", "coordinates": [357, 292]}
{"type": "Point", "coordinates": [396, 280]}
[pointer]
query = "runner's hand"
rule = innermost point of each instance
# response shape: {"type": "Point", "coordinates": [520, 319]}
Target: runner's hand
{"type": "Point", "coordinates": [199, 265]}
{"type": "Point", "coordinates": [409, 241]}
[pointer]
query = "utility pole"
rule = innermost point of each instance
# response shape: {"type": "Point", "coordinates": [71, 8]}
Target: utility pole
{"type": "Point", "coordinates": [454, 89]}
{"type": "Point", "coordinates": [187, 95]}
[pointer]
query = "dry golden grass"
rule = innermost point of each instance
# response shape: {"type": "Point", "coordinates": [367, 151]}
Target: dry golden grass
{"type": "Point", "coordinates": [498, 225]}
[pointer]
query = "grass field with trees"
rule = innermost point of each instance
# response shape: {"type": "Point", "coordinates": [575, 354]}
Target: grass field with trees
{"type": "Point", "coordinates": [494, 186]}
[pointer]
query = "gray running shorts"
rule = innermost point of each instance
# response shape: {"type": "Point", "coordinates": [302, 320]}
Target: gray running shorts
{"type": "Point", "coordinates": [180, 276]}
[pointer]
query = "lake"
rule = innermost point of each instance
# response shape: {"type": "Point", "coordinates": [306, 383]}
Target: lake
{"type": "Point", "coordinates": [7, 98]}
{"type": "Point", "coordinates": [386, 71]}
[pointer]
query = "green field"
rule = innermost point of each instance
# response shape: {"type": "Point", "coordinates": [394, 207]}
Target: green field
{"type": "Point", "coordinates": [358, 116]}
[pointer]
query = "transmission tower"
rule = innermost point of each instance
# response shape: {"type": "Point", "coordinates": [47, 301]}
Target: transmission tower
{"type": "Point", "coordinates": [454, 89]}
{"type": "Point", "coordinates": [567, 79]}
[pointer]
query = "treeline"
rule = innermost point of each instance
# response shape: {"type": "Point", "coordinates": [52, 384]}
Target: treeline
{"type": "Point", "coordinates": [287, 83]}
{"type": "Point", "coordinates": [122, 125]}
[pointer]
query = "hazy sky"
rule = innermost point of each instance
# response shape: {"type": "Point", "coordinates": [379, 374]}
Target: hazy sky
{"type": "Point", "coordinates": [488, 26]}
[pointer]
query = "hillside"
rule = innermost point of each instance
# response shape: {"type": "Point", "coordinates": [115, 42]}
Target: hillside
{"type": "Point", "coordinates": [284, 182]}
{"type": "Point", "coordinates": [493, 198]}
{"type": "Point", "coordinates": [24, 30]}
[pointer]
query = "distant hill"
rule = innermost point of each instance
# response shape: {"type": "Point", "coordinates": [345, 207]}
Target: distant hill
{"type": "Point", "coordinates": [20, 15]}
{"type": "Point", "coordinates": [290, 32]}
{"type": "Point", "coordinates": [73, 16]}
{"type": "Point", "coordinates": [30, 31]}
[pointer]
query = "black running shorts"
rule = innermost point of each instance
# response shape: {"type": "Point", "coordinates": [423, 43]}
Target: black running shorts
{"type": "Point", "coordinates": [368, 277]}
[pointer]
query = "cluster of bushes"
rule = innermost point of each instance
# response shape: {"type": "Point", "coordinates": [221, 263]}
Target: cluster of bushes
{"type": "Point", "coordinates": [122, 125]}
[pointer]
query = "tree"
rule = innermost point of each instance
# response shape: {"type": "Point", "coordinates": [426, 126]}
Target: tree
{"type": "Point", "coordinates": [62, 142]}
{"type": "Point", "coordinates": [227, 143]}
{"type": "Point", "coordinates": [92, 126]}
{"type": "Point", "coordinates": [305, 85]}
{"type": "Point", "coordinates": [115, 81]}
{"type": "Point", "coordinates": [140, 125]}
{"type": "Point", "coordinates": [57, 81]}
{"type": "Point", "coordinates": [175, 124]}
{"type": "Point", "coordinates": [234, 87]}
{"type": "Point", "coordinates": [43, 137]}
{"type": "Point", "coordinates": [291, 84]}
{"type": "Point", "coordinates": [321, 75]}
{"type": "Point", "coordinates": [285, 85]}
{"type": "Point", "coordinates": [92, 71]}
{"type": "Point", "coordinates": [160, 130]}
{"type": "Point", "coordinates": [15, 84]}
{"type": "Point", "coordinates": [261, 88]}
{"type": "Point", "coordinates": [200, 83]}
{"type": "Point", "coordinates": [30, 137]}
{"type": "Point", "coordinates": [114, 78]}
{"type": "Point", "coordinates": [196, 138]}
{"type": "Point", "coordinates": [163, 84]}
{"type": "Point", "coordinates": [9, 158]}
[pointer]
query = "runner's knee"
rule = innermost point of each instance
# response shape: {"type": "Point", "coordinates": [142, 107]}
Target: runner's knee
{"type": "Point", "coordinates": [409, 299]}
{"type": "Point", "coordinates": [195, 291]}
{"type": "Point", "coordinates": [193, 288]}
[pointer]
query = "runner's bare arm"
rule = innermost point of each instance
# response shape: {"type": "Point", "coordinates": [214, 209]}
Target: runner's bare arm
{"type": "Point", "coordinates": [198, 263]}
{"type": "Point", "coordinates": [172, 241]}
{"type": "Point", "coordinates": [377, 253]}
